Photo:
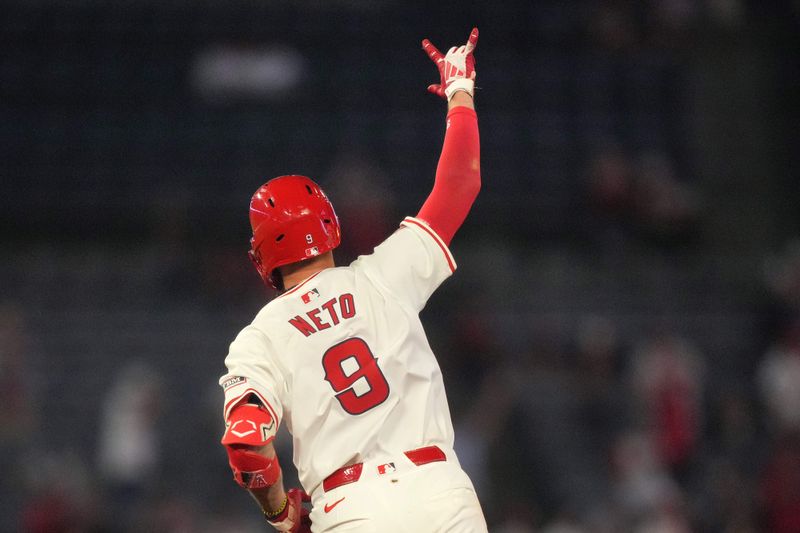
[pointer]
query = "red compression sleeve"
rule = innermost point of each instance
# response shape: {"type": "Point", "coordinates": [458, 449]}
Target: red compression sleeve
{"type": "Point", "coordinates": [458, 176]}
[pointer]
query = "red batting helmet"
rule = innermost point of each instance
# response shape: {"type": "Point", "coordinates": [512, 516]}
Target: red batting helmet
{"type": "Point", "coordinates": [292, 220]}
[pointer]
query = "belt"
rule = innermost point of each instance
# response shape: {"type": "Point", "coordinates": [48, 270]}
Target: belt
{"type": "Point", "coordinates": [352, 473]}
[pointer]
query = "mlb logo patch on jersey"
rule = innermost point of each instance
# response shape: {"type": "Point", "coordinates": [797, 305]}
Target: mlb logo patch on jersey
{"type": "Point", "coordinates": [387, 468]}
{"type": "Point", "coordinates": [313, 294]}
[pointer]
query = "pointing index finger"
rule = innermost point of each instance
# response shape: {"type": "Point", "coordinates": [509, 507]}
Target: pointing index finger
{"type": "Point", "coordinates": [431, 50]}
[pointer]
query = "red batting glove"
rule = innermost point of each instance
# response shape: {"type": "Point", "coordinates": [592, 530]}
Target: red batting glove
{"type": "Point", "coordinates": [294, 517]}
{"type": "Point", "coordinates": [456, 68]}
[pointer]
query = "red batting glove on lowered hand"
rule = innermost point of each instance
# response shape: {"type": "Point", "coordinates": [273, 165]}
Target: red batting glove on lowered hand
{"type": "Point", "coordinates": [456, 68]}
{"type": "Point", "coordinates": [294, 517]}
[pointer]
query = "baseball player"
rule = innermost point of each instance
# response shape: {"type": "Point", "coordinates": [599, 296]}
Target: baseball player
{"type": "Point", "coordinates": [340, 356]}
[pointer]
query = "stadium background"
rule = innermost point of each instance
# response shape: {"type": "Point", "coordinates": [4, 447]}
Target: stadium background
{"type": "Point", "coordinates": [621, 343]}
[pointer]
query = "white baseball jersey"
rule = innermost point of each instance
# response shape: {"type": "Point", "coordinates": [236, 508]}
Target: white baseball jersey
{"type": "Point", "coordinates": [343, 360]}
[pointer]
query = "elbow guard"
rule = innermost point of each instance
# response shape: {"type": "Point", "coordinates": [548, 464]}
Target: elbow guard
{"type": "Point", "coordinates": [251, 426]}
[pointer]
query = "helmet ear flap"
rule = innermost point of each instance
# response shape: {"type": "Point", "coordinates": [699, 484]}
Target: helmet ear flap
{"type": "Point", "coordinates": [255, 258]}
{"type": "Point", "coordinates": [274, 279]}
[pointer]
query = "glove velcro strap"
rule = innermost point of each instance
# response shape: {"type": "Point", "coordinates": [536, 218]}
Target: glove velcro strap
{"type": "Point", "coordinates": [461, 84]}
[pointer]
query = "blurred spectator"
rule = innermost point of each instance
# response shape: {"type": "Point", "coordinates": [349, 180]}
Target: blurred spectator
{"type": "Point", "coordinates": [130, 444]}
{"type": "Point", "coordinates": [19, 407]}
{"type": "Point", "coordinates": [779, 381]}
{"type": "Point", "coordinates": [780, 486]}
{"type": "Point", "coordinates": [62, 498]}
{"type": "Point", "coordinates": [668, 382]}
{"type": "Point", "coordinates": [18, 379]}
{"type": "Point", "coordinates": [644, 492]}
{"type": "Point", "coordinates": [50, 512]}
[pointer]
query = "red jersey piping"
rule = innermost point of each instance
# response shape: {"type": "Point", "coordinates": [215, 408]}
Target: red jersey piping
{"type": "Point", "coordinates": [419, 223]}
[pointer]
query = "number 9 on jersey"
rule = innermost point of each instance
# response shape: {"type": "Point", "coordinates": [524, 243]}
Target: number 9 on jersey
{"type": "Point", "coordinates": [350, 365]}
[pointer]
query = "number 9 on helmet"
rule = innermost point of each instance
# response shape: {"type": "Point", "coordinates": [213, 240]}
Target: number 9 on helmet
{"type": "Point", "coordinates": [292, 220]}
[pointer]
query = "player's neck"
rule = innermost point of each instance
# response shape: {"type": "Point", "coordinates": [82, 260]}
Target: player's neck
{"type": "Point", "coordinates": [296, 272]}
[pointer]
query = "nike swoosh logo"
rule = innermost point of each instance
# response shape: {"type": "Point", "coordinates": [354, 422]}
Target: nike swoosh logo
{"type": "Point", "coordinates": [329, 507]}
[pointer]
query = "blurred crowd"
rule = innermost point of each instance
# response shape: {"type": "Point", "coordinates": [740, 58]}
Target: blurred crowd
{"type": "Point", "coordinates": [588, 429]}
{"type": "Point", "coordinates": [610, 366]}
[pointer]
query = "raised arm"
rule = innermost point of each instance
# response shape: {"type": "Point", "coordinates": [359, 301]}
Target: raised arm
{"type": "Point", "coordinates": [458, 175]}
